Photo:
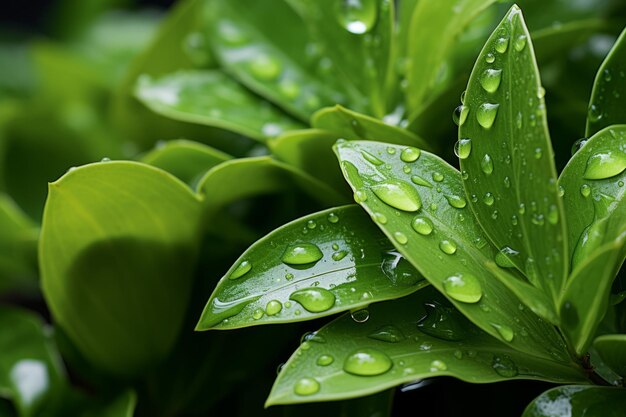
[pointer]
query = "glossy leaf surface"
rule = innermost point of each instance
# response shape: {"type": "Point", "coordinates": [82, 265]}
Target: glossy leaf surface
{"type": "Point", "coordinates": [116, 255]}
{"type": "Point", "coordinates": [390, 349]}
{"type": "Point", "coordinates": [420, 198]}
{"type": "Point", "coordinates": [578, 401]}
{"type": "Point", "coordinates": [505, 150]}
{"type": "Point", "coordinates": [211, 98]}
{"type": "Point", "coordinates": [612, 349]}
{"type": "Point", "coordinates": [322, 264]}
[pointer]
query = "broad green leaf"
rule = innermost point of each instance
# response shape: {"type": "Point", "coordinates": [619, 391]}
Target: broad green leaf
{"type": "Point", "coordinates": [390, 349]}
{"type": "Point", "coordinates": [184, 159]}
{"type": "Point", "coordinates": [116, 254]}
{"type": "Point", "coordinates": [606, 106]}
{"type": "Point", "coordinates": [31, 373]}
{"type": "Point", "coordinates": [594, 193]}
{"type": "Point", "coordinates": [578, 401]}
{"type": "Point", "coordinates": [321, 264]}
{"type": "Point", "coordinates": [612, 350]}
{"type": "Point", "coordinates": [433, 31]}
{"type": "Point", "coordinates": [355, 44]}
{"type": "Point", "coordinates": [352, 125]}
{"type": "Point", "coordinates": [507, 158]}
{"type": "Point", "coordinates": [586, 295]}
{"type": "Point", "coordinates": [211, 98]}
{"type": "Point", "coordinates": [265, 48]}
{"type": "Point", "coordinates": [418, 202]}
{"type": "Point", "coordinates": [245, 177]}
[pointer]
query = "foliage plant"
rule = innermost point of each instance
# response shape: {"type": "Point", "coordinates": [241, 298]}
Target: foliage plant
{"type": "Point", "coordinates": [252, 124]}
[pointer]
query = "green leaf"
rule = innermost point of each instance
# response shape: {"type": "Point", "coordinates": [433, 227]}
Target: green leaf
{"type": "Point", "coordinates": [594, 193]}
{"type": "Point", "coordinates": [505, 151]}
{"type": "Point", "coordinates": [550, 42]}
{"type": "Point", "coordinates": [117, 253]}
{"type": "Point", "coordinates": [31, 373]}
{"type": "Point", "coordinates": [390, 349]}
{"type": "Point", "coordinates": [321, 264]}
{"type": "Point", "coordinates": [356, 42]}
{"type": "Point", "coordinates": [421, 198]}
{"type": "Point", "coordinates": [612, 350]}
{"type": "Point", "coordinates": [185, 159]}
{"type": "Point", "coordinates": [264, 48]}
{"type": "Point", "coordinates": [433, 32]}
{"type": "Point", "coordinates": [578, 401]}
{"type": "Point", "coordinates": [377, 405]}
{"type": "Point", "coordinates": [211, 98]}
{"type": "Point", "coordinates": [606, 106]}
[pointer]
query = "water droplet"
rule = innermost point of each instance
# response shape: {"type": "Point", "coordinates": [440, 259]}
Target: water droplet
{"type": "Point", "coordinates": [302, 254]}
{"type": "Point", "coordinates": [391, 150]}
{"type": "Point", "coordinates": [312, 337]}
{"type": "Point", "coordinates": [400, 238]}
{"type": "Point", "coordinates": [520, 43]}
{"type": "Point", "coordinates": [463, 148]}
{"type": "Point", "coordinates": [456, 201]}
{"type": "Point", "coordinates": [585, 190]}
{"type": "Point", "coordinates": [417, 180]}
{"type": "Point", "coordinates": [553, 214]}
{"type": "Point", "coordinates": [367, 362]}
{"type": "Point", "coordinates": [380, 218]}
{"type": "Point", "coordinates": [273, 307]}
{"type": "Point", "coordinates": [339, 255]}
{"type": "Point", "coordinates": [541, 92]}
{"type": "Point", "coordinates": [398, 194]}
{"type": "Point", "coordinates": [488, 199]}
{"type": "Point", "coordinates": [422, 225]}
{"type": "Point", "coordinates": [306, 386]}
{"type": "Point", "coordinates": [458, 354]}
{"type": "Point", "coordinates": [561, 191]}
{"type": "Point", "coordinates": [311, 224]}
{"type": "Point", "coordinates": [357, 16]}
{"type": "Point", "coordinates": [504, 331]}
{"type": "Point", "coordinates": [265, 67]}
{"type": "Point", "coordinates": [462, 98]}
{"type": "Point", "coordinates": [538, 153]}
{"type": "Point", "coordinates": [371, 158]}
{"type": "Point", "coordinates": [490, 58]}
{"type": "Point", "coordinates": [448, 247]}
{"type": "Point", "coordinates": [437, 176]}
{"type": "Point", "coordinates": [460, 115]}
{"type": "Point", "coordinates": [502, 44]}
{"type": "Point", "coordinates": [594, 113]}
{"type": "Point", "coordinates": [399, 271]}
{"type": "Point", "coordinates": [605, 165]}
{"type": "Point", "coordinates": [438, 366]}
{"type": "Point", "coordinates": [578, 145]}
{"type": "Point", "coordinates": [463, 287]}
{"type": "Point", "coordinates": [504, 258]}
{"type": "Point", "coordinates": [504, 366]}
{"type": "Point", "coordinates": [314, 299]}
{"type": "Point", "coordinates": [333, 218]}
{"type": "Point", "coordinates": [389, 333]}
{"type": "Point", "coordinates": [360, 316]}
{"type": "Point", "coordinates": [325, 360]}
{"type": "Point", "coordinates": [231, 34]}
{"type": "Point", "coordinates": [443, 322]}
{"type": "Point", "coordinates": [242, 269]}
{"type": "Point", "coordinates": [258, 313]}
{"type": "Point", "coordinates": [507, 182]}
{"type": "Point", "coordinates": [360, 196]}
{"type": "Point", "coordinates": [486, 114]}
{"type": "Point", "coordinates": [490, 80]}
{"type": "Point", "coordinates": [410, 154]}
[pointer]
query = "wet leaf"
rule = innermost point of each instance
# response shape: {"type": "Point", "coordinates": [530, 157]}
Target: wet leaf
{"type": "Point", "coordinates": [578, 401]}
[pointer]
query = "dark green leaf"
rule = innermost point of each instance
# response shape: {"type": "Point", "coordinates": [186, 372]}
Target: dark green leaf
{"type": "Point", "coordinates": [578, 401]}
{"type": "Point", "coordinates": [377, 405]}
{"type": "Point", "coordinates": [116, 251]}
{"type": "Point", "coordinates": [507, 158]}
{"type": "Point", "coordinates": [612, 349]}
{"type": "Point", "coordinates": [418, 201]}
{"type": "Point", "coordinates": [211, 98]}
{"type": "Point", "coordinates": [390, 349]}
{"type": "Point", "coordinates": [552, 41]}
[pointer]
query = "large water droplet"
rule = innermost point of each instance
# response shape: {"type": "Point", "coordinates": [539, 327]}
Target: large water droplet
{"type": "Point", "coordinates": [463, 148]}
{"type": "Point", "coordinates": [502, 44]}
{"type": "Point", "coordinates": [389, 333]}
{"type": "Point", "coordinates": [265, 67]}
{"type": "Point", "coordinates": [504, 331]}
{"type": "Point", "coordinates": [443, 322]}
{"type": "Point", "coordinates": [605, 165]}
{"type": "Point", "coordinates": [314, 299]}
{"type": "Point", "coordinates": [437, 176]}
{"type": "Point", "coordinates": [357, 16]}
{"type": "Point", "coordinates": [242, 269]}
{"type": "Point", "coordinates": [325, 360]}
{"type": "Point", "coordinates": [504, 258]}
{"type": "Point", "coordinates": [463, 287]}
{"type": "Point", "coordinates": [398, 194]}
{"type": "Point", "coordinates": [490, 80]}
{"type": "Point", "coordinates": [273, 307]}
{"type": "Point", "coordinates": [520, 43]}
{"type": "Point", "coordinates": [306, 386]}
{"type": "Point", "coordinates": [410, 154]}
{"type": "Point", "coordinates": [456, 201]}
{"type": "Point", "coordinates": [490, 58]}
{"type": "Point", "coordinates": [448, 247]}
{"type": "Point", "coordinates": [460, 115]}
{"type": "Point", "coordinates": [504, 366]}
{"type": "Point", "coordinates": [302, 254]}
{"type": "Point", "coordinates": [422, 225]}
{"type": "Point", "coordinates": [367, 362]}
{"type": "Point", "coordinates": [486, 114]}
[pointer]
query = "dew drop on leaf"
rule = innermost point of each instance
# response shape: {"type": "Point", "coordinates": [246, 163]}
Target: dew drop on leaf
{"type": "Point", "coordinates": [389, 333]}
{"type": "Point", "coordinates": [357, 16]}
{"type": "Point", "coordinates": [504, 331]}
{"type": "Point", "coordinates": [463, 287]}
{"type": "Point", "coordinates": [604, 165]}
{"type": "Point", "coordinates": [325, 360]}
{"type": "Point", "coordinates": [242, 269]}
{"type": "Point", "coordinates": [490, 80]}
{"type": "Point", "coordinates": [398, 194]}
{"type": "Point", "coordinates": [486, 114]}
{"type": "Point", "coordinates": [463, 148]}
{"type": "Point", "coordinates": [314, 299]}
{"type": "Point", "coordinates": [367, 362]}
{"type": "Point", "coordinates": [306, 386]}
{"type": "Point", "coordinates": [410, 154]}
{"type": "Point", "coordinates": [504, 366]}
{"type": "Point", "coordinates": [422, 225]}
{"type": "Point", "coordinates": [273, 307]}
{"type": "Point", "coordinates": [302, 254]}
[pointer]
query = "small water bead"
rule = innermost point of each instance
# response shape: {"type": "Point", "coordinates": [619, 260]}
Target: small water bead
{"type": "Point", "coordinates": [538, 153]}
{"type": "Point", "coordinates": [605, 165]}
{"type": "Point", "coordinates": [333, 218]}
{"type": "Point", "coordinates": [357, 16]}
{"type": "Point", "coordinates": [504, 331]}
{"type": "Point", "coordinates": [578, 145]}
{"type": "Point", "coordinates": [242, 269]}
{"type": "Point", "coordinates": [258, 313]}
{"type": "Point", "coordinates": [460, 115]}
{"type": "Point", "coordinates": [490, 80]}
{"type": "Point", "coordinates": [273, 307]}
{"type": "Point", "coordinates": [456, 201]}
{"type": "Point", "coordinates": [380, 218]}
{"type": "Point", "coordinates": [480, 242]}
{"type": "Point", "coordinates": [422, 225]}
{"type": "Point", "coordinates": [490, 58]}
{"type": "Point", "coordinates": [594, 113]}
{"type": "Point", "coordinates": [494, 214]}
{"type": "Point", "coordinates": [486, 114]}
{"type": "Point", "coordinates": [339, 255]}
{"type": "Point", "coordinates": [306, 386]}
{"type": "Point", "coordinates": [585, 190]}
{"type": "Point", "coordinates": [391, 150]}
{"type": "Point", "coordinates": [462, 98]}
{"type": "Point", "coordinates": [537, 219]}
{"type": "Point", "coordinates": [521, 208]}
{"type": "Point", "coordinates": [488, 199]}
{"type": "Point", "coordinates": [367, 362]}
{"type": "Point", "coordinates": [302, 254]}
{"type": "Point", "coordinates": [289, 88]}
{"type": "Point", "coordinates": [463, 287]}
{"type": "Point", "coordinates": [561, 191]}
{"type": "Point", "coordinates": [360, 196]}
{"type": "Point", "coordinates": [231, 34]}
{"type": "Point", "coordinates": [311, 224]}
{"type": "Point", "coordinates": [371, 158]}
{"type": "Point", "coordinates": [388, 333]}
{"type": "Point", "coordinates": [417, 180]}
{"type": "Point", "coordinates": [448, 247]}
{"type": "Point", "coordinates": [507, 182]}
{"type": "Point", "coordinates": [400, 238]}
{"type": "Point", "coordinates": [325, 360]}
{"type": "Point", "coordinates": [265, 67]}
{"type": "Point", "coordinates": [463, 148]}
{"type": "Point", "coordinates": [486, 164]}
{"type": "Point", "coordinates": [437, 176]}
{"type": "Point", "coordinates": [438, 366]}
{"type": "Point", "coordinates": [520, 43]}
{"type": "Point", "coordinates": [360, 316]}
{"type": "Point", "coordinates": [313, 299]}
{"type": "Point", "coordinates": [398, 194]}
{"type": "Point", "coordinates": [504, 258]}
{"type": "Point", "coordinates": [406, 169]}
{"type": "Point", "coordinates": [464, 175]}
{"type": "Point", "coordinates": [502, 44]}
{"type": "Point", "coordinates": [410, 154]}
{"type": "Point", "coordinates": [553, 214]}
{"type": "Point", "coordinates": [504, 366]}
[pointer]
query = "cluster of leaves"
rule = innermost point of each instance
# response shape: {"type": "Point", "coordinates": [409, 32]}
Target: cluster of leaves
{"type": "Point", "coordinates": [497, 271]}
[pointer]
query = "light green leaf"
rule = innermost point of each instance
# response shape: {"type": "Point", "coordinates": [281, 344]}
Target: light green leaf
{"type": "Point", "coordinates": [211, 98]}
{"type": "Point", "coordinates": [606, 106]}
{"type": "Point", "coordinates": [505, 152]}
{"type": "Point", "coordinates": [185, 159]}
{"type": "Point", "coordinates": [578, 401]}
{"type": "Point", "coordinates": [321, 264]}
{"type": "Point", "coordinates": [117, 253]}
{"type": "Point", "coordinates": [427, 218]}
{"type": "Point", "coordinates": [594, 193]}
{"type": "Point", "coordinates": [612, 350]}
{"type": "Point", "coordinates": [390, 349]}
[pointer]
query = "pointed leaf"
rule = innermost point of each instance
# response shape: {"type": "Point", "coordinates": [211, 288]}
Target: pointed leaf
{"type": "Point", "coordinates": [427, 219]}
{"type": "Point", "coordinates": [390, 349]}
{"type": "Point", "coordinates": [606, 106]}
{"type": "Point", "coordinates": [116, 254]}
{"type": "Point", "coordinates": [321, 264]}
{"type": "Point", "coordinates": [612, 349]}
{"type": "Point", "coordinates": [505, 150]}
{"type": "Point", "coordinates": [578, 401]}
{"type": "Point", "coordinates": [212, 98]}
